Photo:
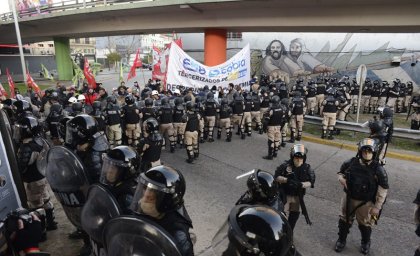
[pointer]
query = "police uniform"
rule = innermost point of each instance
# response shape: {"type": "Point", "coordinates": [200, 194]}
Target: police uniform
{"type": "Point", "coordinates": [113, 121]}
{"type": "Point", "coordinates": [311, 98]}
{"type": "Point", "coordinates": [393, 94]}
{"type": "Point", "coordinates": [298, 109]}
{"type": "Point", "coordinates": [354, 94]}
{"type": "Point", "coordinates": [366, 94]}
{"type": "Point", "coordinates": [274, 118]}
{"type": "Point", "coordinates": [210, 118]}
{"type": "Point", "coordinates": [191, 134]}
{"type": "Point", "coordinates": [131, 115]}
{"type": "Point", "coordinates": [376, 92]}
{"type": "Point", "coordinates": [329, 114]}
{"type": "Point", "coordinates": [320, 94]}
{"type": "Point", "coordinates": [408, 95]}
{"type": "Point", "coordinates": [225, 114]}
{"type": "Point", "coordinates": [247, 119]}
{"type": "Point", "coordinates": [401, 98]}
{"type": "Point", "coordinates": [344, 106]}
{"type": "Point", "coordinates": [256, 111]}
{"type": "Point", "coordinates": [415, 115]}
{"type": "Point", "coordinates": [146, 113]}
{"type": "Point", "coordinates": [149, 149]}
{"type": "Point", "coordinates": [384, 94]}
{"type": "Point", "coordinates": [265, 103]}
{"type": "Point", "coordinates": [366, 187]}
{"type": "Point", "coordinates": [179, 125]}
{"type": "Point", "coordinates": [238, 115]}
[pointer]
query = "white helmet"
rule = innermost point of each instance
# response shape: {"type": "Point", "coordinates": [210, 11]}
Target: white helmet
{"type": "Point", "coordinates": [154, 92]}
{"type": "Point", "coordinates": [176, 91]}
{"type": "Point", "coordinates": [72, 100]}
{"type": "Point", "coordinates": [81, 97]}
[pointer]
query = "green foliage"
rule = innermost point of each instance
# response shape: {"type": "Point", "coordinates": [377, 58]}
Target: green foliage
{"type": "Point", "coordinates": [113, 57]}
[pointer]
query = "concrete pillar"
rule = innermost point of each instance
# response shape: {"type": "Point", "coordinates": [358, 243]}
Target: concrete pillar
{"type": "Point", "coordinates": [215, 42]}
{"type": "Point", "coordinates": [62, 58]}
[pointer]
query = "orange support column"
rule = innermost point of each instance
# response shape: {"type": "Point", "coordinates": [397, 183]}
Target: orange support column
{"type": "Point", "coordinates": [214, 47]}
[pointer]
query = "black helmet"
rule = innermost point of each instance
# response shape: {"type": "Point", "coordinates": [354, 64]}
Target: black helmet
{"type": "Point", "coordinates": [298, 150]}
{"type": "Point", "coordinates": [367, 144]}
{"type": "Point", "coordinates": [376, 127]}
{"type": "Point", "coordinates": [262, 186]}
{"type": "Point", "coordinates": [119, 164]}
{"type": "Point", "coordinates": [164, 101]}
{"type": "Point", "coordinates": [62, 127]}
{"type": "Point", "coordinates": [96, 105]}
{"type": "Point", "coordinates": [190, 106]}
{"type": "Point", "coordinates": [22, 106]}
{"type": "Point", "coordinates": [285, 101]}
{"type": "Point", "coordinates": [148, 102]}
{"type": "Point", "coordinates": [210, 96]}
{"type": "Point", "coordinates": [187, 98]}
{"type": "Point", "coordinates": [54, 96]}
{"type": "Point", "coordinates": [275, 100]}
{"type": "Point", "coordinates": [178, 101]}
{"type": "Point", "coordinates": [56, 110]}
{"type": "Point", "coordinates": [259, 230]}
{"type": "Point", "coordinates": [77, 107]}
{"type": "Point", "coordinates": [129, 99]}
{"type": "Point", "coordinates": [385, 112]}
{"type": "Point", "coordinates": [26, 127]}
{"type": "Point", "coordinates": [224, 101]}
{"type": "Point", "coordinates": [80, 129]}
{"type": "Point", "coordinates": [160, 189]}
{"type": "Point", "coordinates": [151, 125]}
{"type": "Point", "coordinates": [111, 99]}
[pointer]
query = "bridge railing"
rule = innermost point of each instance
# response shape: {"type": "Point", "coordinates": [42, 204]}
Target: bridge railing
{"type": "Point", "coordinates": [357, 127]}
{"type": "Point", "coordinates": [63, 5]}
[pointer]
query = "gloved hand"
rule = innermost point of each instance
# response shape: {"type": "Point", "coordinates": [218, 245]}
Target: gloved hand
{"type": "Point", "coordinates": [28, 236]}
{"type": "Point", "coordinates": [293, 183]}
{"type": "Point", "coordinates": [418, 230]}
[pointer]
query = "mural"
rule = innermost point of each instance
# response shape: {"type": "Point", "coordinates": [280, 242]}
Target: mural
{"type": "Point", "coordinates": [296, 60]}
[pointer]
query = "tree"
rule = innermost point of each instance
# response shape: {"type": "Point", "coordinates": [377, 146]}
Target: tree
{"type": "Point", "coordinates": [113, 57]}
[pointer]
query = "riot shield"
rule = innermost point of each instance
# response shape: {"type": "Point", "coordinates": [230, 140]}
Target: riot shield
{"type": "Point", "coordinates": [12, 191]}
{"type": "Point", "coordinates": [100, 207]}
{"type": "Point", "coordinates": [67, 177]}
{"type": "Point", "coordinates": [41, 161]}
{"type": "Point", "coordinates": [135, 235]}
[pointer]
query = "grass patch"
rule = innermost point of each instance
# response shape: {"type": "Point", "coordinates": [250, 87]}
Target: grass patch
{"type": "Point", "coordinates": [396, 143]}
{"type": "Point", "coordinates": [22, 87]}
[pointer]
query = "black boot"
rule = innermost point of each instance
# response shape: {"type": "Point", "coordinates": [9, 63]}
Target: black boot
{"type": "Point", "coordinates": [275, 151]}
{"type": "Point", "coordinates": [270, 151]}
{"type": "Point", "coordinates": [229, 136]}
{"type": "Point", "coordinates": [324, 134]}
{"type": "Point", "coordinates": [343, 230]}
{"type": "Point", "coordinates": [190, 155]}
{"type": "Point", "coordinates": [49, 215]}
{"type": "Point", "coordinates": [330, 135]}
{"type": "Point", "coordinates": [293, 218]}
{"type": "Point", "coordinates": [365, 232]}
{"type": "Point", "coordinates": [243, 135]}
{"type": "Point", "coordinates": [219, 134]}
{"type": "Point", "coordinates": [299, 137]}
{"type": "Point", "coordinates": [292, 137]}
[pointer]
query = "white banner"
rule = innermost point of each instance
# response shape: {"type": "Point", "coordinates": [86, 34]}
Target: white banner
{"type": "Point", "coordinates": [184, 71]}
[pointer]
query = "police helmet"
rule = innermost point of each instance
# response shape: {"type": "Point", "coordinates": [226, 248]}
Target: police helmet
{"type": "Point", "coordinates": [119, 164]}
{"type": "Point", "coordinates": [96, 105]}
{"type": "Point", "coordinates": [22, 106]}
{"type": "Point", "coordinates": [129, 99]}
{"type": "Point", "coordinates": [54, 96]}
{"type": "Point", "coordinates": [160, 189]}
{"type": "Point", "coordinates": [56, 110]}
{"type": "Point", "coordinates": [151, 125]}
{"type": "Point", "coordinates": [26, 127]}
{"type": "Point", "coordinates": [376, 126]}
{"type": "Point", "coordinates": [367, 144]}
{"type": "Point", "coordinates": [210, 96]}
{"type": "Point", "coordinates": [77, 107]}
{"type": "Point", "coordinates": [111, 99]}
{"type": "Point", "coordinates": [190, 106]}
{"type": "Point", "coordinates": [62, 124]}
{"type": "Point", "coordinates": [178, 101]}
{"type": "Point", "coordinates": [262, 186]}
{"type": "Point", "coordinates": [164, 101]}
{"type": "Point", "coordinates": [148, 102]}
{"type": "Point", "coordinates": [298, 150]}
{"type": "Point", "coordinates": [187, 98]}
{"type": "Point", "coordinates": [80, 129]}
{"type": "Point", "coordinates": [259, 230]}
{"type": "Point", "coordinates": [285, 101]}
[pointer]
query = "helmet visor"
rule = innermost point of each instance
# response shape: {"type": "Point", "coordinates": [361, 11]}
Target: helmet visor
{"type": "Point", "coordinates": [298, 150]}
{"type": "Point", "coordinates": [18, 132]}
{"type": "Point", "coordinates": [112, 171]}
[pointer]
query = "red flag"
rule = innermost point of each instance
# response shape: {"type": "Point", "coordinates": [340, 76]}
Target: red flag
{"type": "Point", "coordinates": [2, 91]}
{"type": "Point", "coordinates": [137, 63]}
{"type": "Point", "coordinates": [31, 83]}
{"type": "Point", "coordinates": [161, 59]}
{"type": "Point", "coordinates": [11, 84]}
{"type": "Point", "coordinates": [89, 75]}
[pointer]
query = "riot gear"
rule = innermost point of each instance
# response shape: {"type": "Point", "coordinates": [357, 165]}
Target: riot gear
{"type": "Point", "coordinates": [369, 145]}
{"type": "Point", "coordinates": [254, 230]}
{"type": "Point", "coordinates": [119, 164]}
{"type": "Point", "coordinates": [190, 106]}
{"type": "Point", "coordinates": [148, 102]}
{"type": "Point", "coordinates": [262, 186]}
{"type": "Point", "coordinates": [77, 108]}
{"type": "Point", "coordinates": [22, 107]}
{"type": "Point", "coordinates": [129, 99]}
{"type": "Point", "coordinates": [298, 150]}
{"type": "Point", "coordinates": [111, 99]}
{"type": "Point", "coordinates": [80, 130]}
{"type": "Point", "coordinates": [26, 127]}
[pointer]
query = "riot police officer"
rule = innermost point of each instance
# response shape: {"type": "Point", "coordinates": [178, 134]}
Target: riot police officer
{"type": "Point", "coordinates": [295, 176]}
{"type": "Point", "coordinates": [165, 115]}
{"type": "Point", "coordinates": [285, 121]}
{"type": "Point", "coordinates": [120, 167]}
{"type": "Point", "coordinates": [365, 183]}
{"type": "Point", "coordinates": [366, 94]}
{"type": "Point", "coordinates": [265, 100]}
{"type": "Point", "coordinates": [329, 113]}
{"type": "Point", "coordinates": [417, 219]}
{"type": "Point", "coordinates": [311, 97]}
{"type": "Point", "coordinates": [320, 93]}
{"type": "Point", "coordinates": [255, 230]}
{"type": "Point", "coordinates": [238, 114]}
{"type": "Point", "coordinates": [159, 197]}
{"type": "Point", "coordinates": [150, 146]}
{"type": "Point", "coordinates": [408, 96]}
{"type": "Point", "coordinates": [113, 121]}
{"type": "Point", "coordinates": [256, 111]}
{"type": "Point", "coordinates": [28, 134]}
{"type": "Point", "coordinates": [225, 114]}
{"type": "Point", "coordinates": [354, 94]}
{"type": "Point", "coordinates": [148, 111]}
{"type": "Point", "coordinates": [384, 94]}
{"type": "Point", "coordinates": [262, 190]}
{"type": "Point", "coordinates": [247, 119]}
{"type": "Point", "coordinates": [192, 120]}
{"type": "Point", "coordinates": [415, 115]}
{"type": "Point", "coordinates": [376, 92]}
{"type": "Point", "coordinates": [55, 115]}
{"type": "Point", "coordinates": [393, 93]}
{"type": "Point", "coordinates": [131, 118]}
{"type": "Point", "coordinates": [179, 126]}
{"type": "Point", "coordinates": [211, 109]}
{"type": "Point", "coordinates": [98, 115]}
{"type": "Point", "coordinates": [82, 135]}
{"type": "Point", "coordinates": [272, 123]}
{"type": "Point", "coordinates": [297, 109]}
{"type": "Point", "coordinates": [200, 109]}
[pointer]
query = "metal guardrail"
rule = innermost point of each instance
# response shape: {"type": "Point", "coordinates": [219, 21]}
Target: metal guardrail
{"type": "Point", "coordinates": [64, 5]}
{"type": "Point", "coordinates": [357, 127]}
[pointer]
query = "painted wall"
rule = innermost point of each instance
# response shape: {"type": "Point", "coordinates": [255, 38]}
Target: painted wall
{"type": "Point", "coordinates": [317, 53]}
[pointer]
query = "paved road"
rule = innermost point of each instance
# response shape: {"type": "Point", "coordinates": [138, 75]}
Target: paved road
{"type": "Point", "coordinates": [212, 191]}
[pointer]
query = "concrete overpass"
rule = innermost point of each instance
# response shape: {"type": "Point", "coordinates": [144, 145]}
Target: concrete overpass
{"type": "Point", "coordinates": [166, 16]}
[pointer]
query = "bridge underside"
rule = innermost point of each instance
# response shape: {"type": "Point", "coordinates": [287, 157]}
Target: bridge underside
{"type": "Point", "coordinates": [163, 16]}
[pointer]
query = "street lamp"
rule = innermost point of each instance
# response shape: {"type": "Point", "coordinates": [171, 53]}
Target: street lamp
{"type": "Point", "coordinates": [22, 58]}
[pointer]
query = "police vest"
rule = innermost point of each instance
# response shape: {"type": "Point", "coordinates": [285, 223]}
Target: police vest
{"type": "Point", "coordinates": [265, 102]}
{"type": "Point", "coordinates": [152, 153]}
{"type": "Point", "coordinates": [192, 123]}
{"type": "Point", "coordinates": [320, 89]}
{"type": "Point", "coordinates": [210, 109]}
{"type": "Point", "coordinates": [248, 106]}
{"type": "Point", "coordinates": [148, 112]}
{"type": "Point", "coordinates": [276, 117]}
{"type": "Point", "coordinates": [354, 90]}
{"type": "Point", "coordinates": [225, 111]}
{"type": "Point", "coordinates": [311, 92]}
{"type": "Point", "coordinates": [130, 114]}
{"type": "Point", "coordinates": [361, 181]}
{"type": "Point", "coordinates": [297, 107]}
{"type": "Point", "coordinates": [113, 116]}
{"type": "Point", "coordinates": [178, 114]}
{"type": "Point", "coordinates": [238, 107]}
{"type": "Point", "coordinates": [367, 91]}
{"type": "Point", "coordinates": [330, 106]}
{"type": "Point", "coordinates": [256, 104]}
{"type": "Point", "coordinates": [165, 115]}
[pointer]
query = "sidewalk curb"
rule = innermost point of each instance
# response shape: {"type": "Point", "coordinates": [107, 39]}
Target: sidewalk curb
{"type": "Point", "coordinates": [354, 148]}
